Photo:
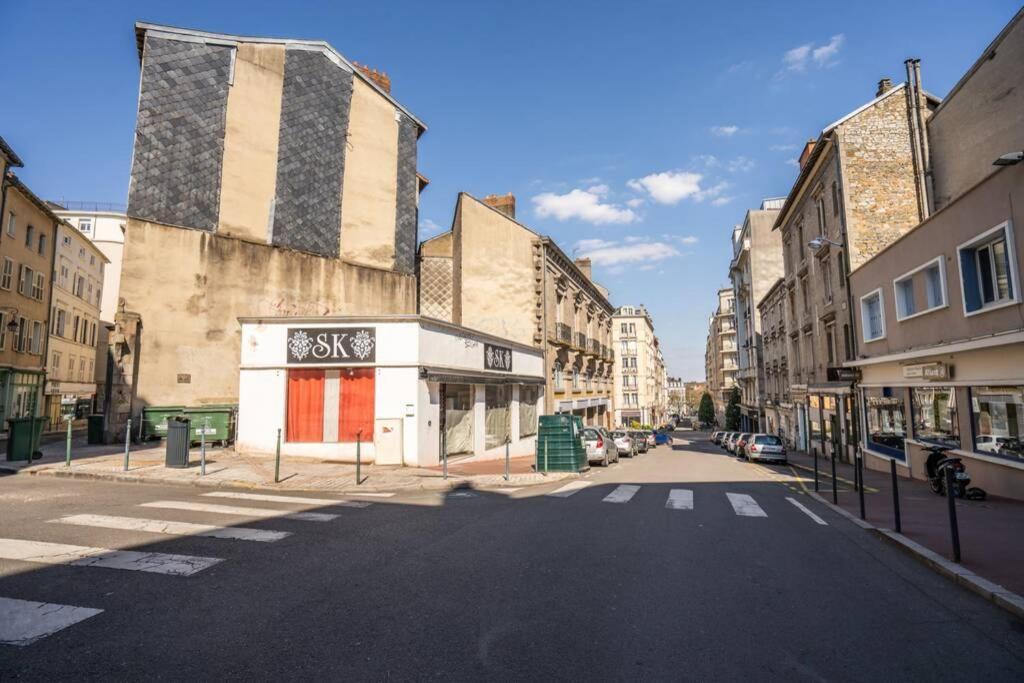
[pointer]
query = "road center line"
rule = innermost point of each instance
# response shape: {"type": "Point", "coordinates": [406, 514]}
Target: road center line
{"type": "Point", "coordinates": [622, 494]}
{"type": "Point", "coordinates": [745, 506]}
{"type": "Point", "coordinates": [244, 512]}
{"type": "Point", "coordinates": [803, 508]}
{"type": "Point", "coordinates": [570, 488]}
{"type": "Point", "coordinates": [680, 499]}
{"type": "Point", "coordinates": [157, 526]}
{"type": "Point", "coordinates": [289, 499]}
{"type": "Point", "coordinates": [84, 556]}
{"type": "Point", "coordinates": [23, 622]}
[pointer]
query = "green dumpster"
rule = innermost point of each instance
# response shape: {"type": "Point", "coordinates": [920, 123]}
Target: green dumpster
{"type": "Point", "coordinates": [95, 422]}
{"type": "Point", "coordinates": [217, 421]}
{"type": "Point", "coordinates": [154, 420]}
{"type": "Point", "coordinates": [560, 444]}
{"type": "Point", "coordinates": [20, 437]}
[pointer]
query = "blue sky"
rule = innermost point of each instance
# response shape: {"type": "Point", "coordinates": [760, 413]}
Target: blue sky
{"type": "Point", "coordinates": [638, 133]}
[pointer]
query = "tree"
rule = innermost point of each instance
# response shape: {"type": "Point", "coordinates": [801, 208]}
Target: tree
{"type": "Point", "coordinates": [732, 411]}
{"type": "Point", "coordinates": [706, 410]}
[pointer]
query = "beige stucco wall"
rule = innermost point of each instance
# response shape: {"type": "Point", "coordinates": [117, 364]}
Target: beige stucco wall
{"type": "Point", "coordinates": [496, 270]}
{"type": "Point", "coordinates": [249, 176]}
{"type": "Point", "coordinates": [369, 192]}
{"type": "Point", "coordinates": [190, 304]}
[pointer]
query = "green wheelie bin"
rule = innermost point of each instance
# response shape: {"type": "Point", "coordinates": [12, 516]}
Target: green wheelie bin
{"type": "Point", "coordinates": [21, 441]}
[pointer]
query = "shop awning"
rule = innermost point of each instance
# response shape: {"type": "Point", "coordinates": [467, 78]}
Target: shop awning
{"type": "Point", "coordinates": [451, 376]}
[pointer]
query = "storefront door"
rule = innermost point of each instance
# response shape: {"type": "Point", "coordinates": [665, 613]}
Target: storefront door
{"type": "Point", "coordinates": [458, 417]}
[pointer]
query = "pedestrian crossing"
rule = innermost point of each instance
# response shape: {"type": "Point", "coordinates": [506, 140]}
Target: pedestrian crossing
{"type": "Point", "coordinates": [24, 622]}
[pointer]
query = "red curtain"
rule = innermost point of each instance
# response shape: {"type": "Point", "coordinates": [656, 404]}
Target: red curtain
{"type": "Point", "coordinates": [305, 405]}
{"type": "Point", "coordinates": [355, 405]}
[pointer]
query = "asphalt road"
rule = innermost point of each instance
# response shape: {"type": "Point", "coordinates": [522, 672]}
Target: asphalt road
{"type": "Point", "coordinates": [487, 585]}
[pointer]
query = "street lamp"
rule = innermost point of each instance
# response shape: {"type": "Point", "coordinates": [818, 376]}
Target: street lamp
{"type": "Point", "coordinates": [820, 241]}
{"type": "Point", "coordinates": [1010, 159]}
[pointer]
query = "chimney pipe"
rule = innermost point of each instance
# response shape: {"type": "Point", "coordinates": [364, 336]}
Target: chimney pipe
{"type": "Point", "coordinates": [382, 80]}
{"type": "Point", "coordinates": [913, 103]}
{"type": "Point", "coordinates": [585, 267]}
{"type": "Point", "coordinates": [506, 203]}
{"type": "Point", "coordinates": [884, 86]}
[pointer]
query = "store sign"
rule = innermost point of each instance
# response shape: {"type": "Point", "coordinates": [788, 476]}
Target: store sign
{"type": "Point", "coordinates": [926, 371]}
{"type": "Point", "coordinates": [497, 358]}
{"type": "Point", "coordinates": [312, 345]}
{"type": "Point", "coordinates": [839, 374]}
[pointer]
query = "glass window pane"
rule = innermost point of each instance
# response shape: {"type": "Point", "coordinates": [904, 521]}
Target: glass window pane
{"type": "Point", "coordinates": [458, 418]}
{"type": "Point", "coordinates": [997, 414]}
{"type": "Point", "coordinates": [1002, 268]}
{"type": "Point", "coordinates": [933, 285]}
{"type": "Point", "coordinates": [985, 275]}
{"type": "Point", "coordinates": [905, 298]}
{"type": "Point", "coordinates": [935, 415]}
{"type": "Point", "coordinates": [886, 426]}
{"type": "Point", "coordinates": [497, 418]}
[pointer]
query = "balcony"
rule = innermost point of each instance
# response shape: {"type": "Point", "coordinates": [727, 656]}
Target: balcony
{"type": "Point", "coordinates": [594, 347]}
{"type": "Point", "coordinates": [563, 333]}
{"type": "Point", "coordinates": [581, 340]}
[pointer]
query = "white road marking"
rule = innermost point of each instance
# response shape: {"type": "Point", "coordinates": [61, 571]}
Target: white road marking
{"type": "Point", "coordinates": [157, 526]}
{"type": "Point", "coordinates": [570, 488]}
{"type": "Point", "coordinates": [745, 506]}
{"type": "Point", "coordinates": [290, 499]}
{"type": "Point", "coordinates": [84, 556]}
{"type": "Point", "coordinates": [245, 512]}
{"type": "Point", "coordinates": [680, 499]}
{"type": "Point", "coordinates": [622, 494]}
{"type": "Point", "coordinates": [800, 506]}
{"type": "Point", "coordinates": [371, 494]}
{"type": "Point", "coordinates": [23, 622]}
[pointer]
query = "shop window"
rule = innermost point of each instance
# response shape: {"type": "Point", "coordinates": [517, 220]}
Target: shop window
{"type": "Point", "coordinates": [356, 404]}
{"type": "Point", "coordinates": [987, 273]}
{"type": "Point", "coordinates": [997, 416]}
{"type": "Point", "coordinates": [885, 424]}
{"type": "Point", "coordinates": [458, 418]}
{"type": "Point", "coordinates": [311, 395]}
{"type": "Point", "coordinates": [305, 405]}
{"type": "Point", "coordinates": [934, 413]}
{"type": "Point", "coordinates": [497, 415]}
{"type": "Point", "coordinates": [528, 397]}
{"type": "Point", "coordinates": [872, 315]}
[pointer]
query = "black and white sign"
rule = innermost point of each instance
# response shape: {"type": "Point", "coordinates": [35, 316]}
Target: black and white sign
{"type": "Point", "coordinates": [497, 358]}
{"type": "Point", "coordinates": [312, 345]}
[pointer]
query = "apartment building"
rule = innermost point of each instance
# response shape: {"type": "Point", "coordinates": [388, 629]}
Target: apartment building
{"type": "Point", "coordinates": [494, 274]}
{"type": "Point", "coordinates": [778, 406]}
{"type": "Point", "coordinates": [639, 386]}
{"type": "Point", "coordinates": [860, 187]}
{"type": "Point", "coordinates": [270, 177]}
{"type": "Point", "coordinates": [720, 357]}
{"type": "Point", "coordinates": [75, 327]}
{"type": "Point", "coordinates": [756, 265]}
{"type": "Point", "coordinates": [940, 310]}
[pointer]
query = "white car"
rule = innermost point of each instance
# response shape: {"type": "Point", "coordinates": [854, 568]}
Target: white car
{"type": "Point", "coordinates": [765, 447]}
{"type": "Point", "coordinates": [986, 443]}
{"type": "Point", "coordinates": [623, 443]}
{"type": "Point", "coordinates": [600, 447]}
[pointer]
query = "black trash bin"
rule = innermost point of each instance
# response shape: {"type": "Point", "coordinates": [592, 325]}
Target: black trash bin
{"type": "Point", "coordinates": [95, 433]}
{"type": "Point", "coordinates": [177, 442]}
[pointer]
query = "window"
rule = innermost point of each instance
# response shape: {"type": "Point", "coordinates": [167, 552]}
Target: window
{"type": "Point", "coordinates": [835, 198]}
{"type": "Point", "coordinates": [847, 343]}
{"type": "Point", "coordinates": [841, 269]}
{"type": "Point", "coordinates": [85, 225]}
{"type": "Point", "coordinates": [528, 396]}
{"type": "Point", "coordinates": [71, 366]}
{"type": "Point", "coordinates": [347, 392]}
{"type": "Point", "coordinates": [3, 330]}
{"type": "Point", "coordinates": [934, 412]}
{"type": "Point", "coordinates": [925, 285]}
{"type": "Point", "coordinates": [886, 427]}
{"type": "Point", "coordinates": [987, 271]}
{"type": "Point", "coordinates": [497, 415]}
{"type": "Point", "coordinates": [74, 333]}
{"type": "Point", "coordinates": [8, 274]}
{"type": "Point", "coordinates": [24, 280]}
{"type": "Point", "coordinates": [67, 240]}
{"type": "Point", "coordinates": [19, 338]}
{"type": "Point", "coordinates": [38, 285]}
{"type": "Point", "coordinates": [11, 223]}
{"type": "Point", "coordinates": [92, 260]}
{"type": "Point", "coordinates": [800, 240]}
{"type": "Point", "coordinates": [81, 370]}
{"type": "Point", "coordinates": [30, 233]}
{"type": "Point", "coordinates": [557, 377]}
{"type": "Point", "coordinates": [42, 244]}
{"type": "Point", "coordinates": [830, 343]}
{"type": "Point", "coordinates": [61, 321]}
{"type": "Point", "coordinates": [55, 363]}
{"type": "Point", "coordinates": [805, 294]}
{"type": "Point", "coordinates": [826, 279]}
{"type": "Point", "coordinates": [36, 345]}
{"type": "Point", "coordinates": [623, 328]}
{"type": "Point", "coordinates": [997, 414]}
{"type": "Point", "coordinates": [872, 314]}
{"type": "Point", "coordinates": [820, 206]}
{"type": "Point", "coordinates": [81, 253]}
{"type": "Point", "coordinates": [575, 378]}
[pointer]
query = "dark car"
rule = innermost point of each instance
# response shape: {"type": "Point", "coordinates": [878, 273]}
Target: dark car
{"type": "Point", "coordinates": [640, 439]}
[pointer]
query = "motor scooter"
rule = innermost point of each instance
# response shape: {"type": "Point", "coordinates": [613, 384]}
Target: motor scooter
{"type": "Point", "coordinates": [935, 468]}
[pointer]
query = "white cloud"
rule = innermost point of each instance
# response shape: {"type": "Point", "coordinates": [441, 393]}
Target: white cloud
{"type": "Point", "coordinates": [669, 187]}
{"type": "Point", "coordinates": [740, 67]}
{"type": "Point", "coordinates": [725, 131]}
{"type": "Point", "coordinates": [720, 201]}
{"type": "Point", "coordinates": [796, 59]}
{"type": "Point", "coordinates": [613, 255]}
{"type": "Point", "coordinates": [740, 164]}
{"type": "Point", "coordinates": [826, 54]}
{"type": "Point", "coordinates": [585, 205]}
{"type": "Point", "coordinates": [782, 148]}
{"type": "Point", "coordinates": [712, 192]}
{"type": "Point", "coordinates": [793, 162]}
{"type": "Point", "coordinates": [689, 239]}
{"type": "Point", "coordinates": [429, 228]}
{"type": "Point", "coordinates": [822, 56]}
{"type": "Point", "coordinates": [635, 202]}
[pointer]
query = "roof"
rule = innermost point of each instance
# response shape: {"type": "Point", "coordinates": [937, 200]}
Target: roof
{"type": "Point", "coordinates": [142, 27]}
{"type": "Point", "coordinates": [41, 204]}
{"type": "Point", "coordinates": [9, 152]}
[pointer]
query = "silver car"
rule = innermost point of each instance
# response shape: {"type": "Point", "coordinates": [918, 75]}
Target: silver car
{"type": "Point", "coordinates": [765, 447]}
{"type": "Point", "coordinates": [600, 446]}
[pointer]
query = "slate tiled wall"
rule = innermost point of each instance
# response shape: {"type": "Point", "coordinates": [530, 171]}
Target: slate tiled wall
{"type": "Point", "coordinates": [405, 211]}
{"type": "Point", "coordinates": [179, 136]}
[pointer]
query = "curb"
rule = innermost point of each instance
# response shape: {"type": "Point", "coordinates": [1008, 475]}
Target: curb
{"type": "Point", "coordinates": [993, 592]}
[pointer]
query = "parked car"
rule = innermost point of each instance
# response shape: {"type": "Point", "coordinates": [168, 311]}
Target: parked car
{"type": "Point", "coordinates": [640, 439]}
{"type": "Point", "coordinates": [652, 441]}
{"type": "Point", "coordinates": [730, 441]}
{"type": "Point", "coordinates": [739, 443]}
{"type": "Point", "coordinates": [765, 447]}
{"type": "Point", "coordinates": [600, 447]}
{"type": "Point", "coordinates": [623, 443]}
{"type": "Point", "coordinates": [716, 438]}
{"type": "Point", "coordinates": [663, 437]}
{"type": "Point", "coordinates": [726, 438]}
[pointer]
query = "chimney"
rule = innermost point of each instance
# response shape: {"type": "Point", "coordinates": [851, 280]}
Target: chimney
{"type": "Point", "coordinates": [584, 265]}
{"type": "Point", "coordinates": [506, 203]}
{"type": "Point", "coordinates": [884, 86]}
{"type": "Point", "coordinates": [808, 148]}
{"type": "Point", "coordinates": [382, 80]}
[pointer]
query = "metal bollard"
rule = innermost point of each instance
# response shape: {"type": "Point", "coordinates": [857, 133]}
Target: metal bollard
{"type": "Point", "coordinates": [815, 451]}
{"type": "Point", "coordinates": [507, 441]}
{"type": "Point", "coordinates": [277, 459]}
{"type": "Point", "coordinates": [444, 453]}
{"type": "Point", "coordinates": [835, 485]}
{"type": "Point", "coordinates": [202, 448]}
{"type": "Point", "coordinates": [895, 496]}
{"type": "Point", "coordinates": [127, 442]}
{"type": "Point", "coordinates": [67, 455]}
{"type": "Point", "coordinates": [954, 528]}
{"type": "Point", "coordinates": [545, 456]}
{"type": "Point", "coordinates": [359, 457]}
{"type": "Point", "coordinates": [858, 461]}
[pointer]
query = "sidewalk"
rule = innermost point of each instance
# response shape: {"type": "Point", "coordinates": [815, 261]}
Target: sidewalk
{"type": "Point", "coordinates": [225, 467]}
{"type": "Point", "coordinates": [991, 539]}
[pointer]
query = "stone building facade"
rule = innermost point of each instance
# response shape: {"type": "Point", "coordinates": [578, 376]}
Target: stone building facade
{"type": "Point", "coordinates": [270, 177]}
{"type": "Point", "coordinates": [507, 280]}
{"type": "Point", "coordinates": [778, 406]}
{"type": "Point", "coordinates": [857, 191]}
{"type": "Point", "coordinates": [720, 357]}
{"type": "Point", "coordinates": [639, 368]}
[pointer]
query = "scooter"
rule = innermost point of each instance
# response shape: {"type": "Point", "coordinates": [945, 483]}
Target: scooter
{"type": "Point", "coordinates": [936, 467]}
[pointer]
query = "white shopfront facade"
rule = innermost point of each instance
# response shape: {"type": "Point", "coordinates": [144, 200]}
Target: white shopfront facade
{"type": "Point", "coordinates": [331, 383]}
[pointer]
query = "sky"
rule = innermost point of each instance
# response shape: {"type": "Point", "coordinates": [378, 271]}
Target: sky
{"type": "Point", "coordinates": [636, 133]}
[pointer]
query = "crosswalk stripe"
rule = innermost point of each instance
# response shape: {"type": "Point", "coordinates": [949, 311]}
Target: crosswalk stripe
{"type": "Point", "coordinates": [570, 488]}
{"type": "Point", "coordinates": [680, 499]}
{"type": "Point", "coordinates": [245, 512]}
{"type": "Point", "coordinates": [158, 526]}
{"type": "Point", "coordinates": [84, 556]}
{"type": "Point", "coordinates": [803, 508]}
{"type": "Point", "coordinates": [622, 494]}
{"type": "Point", "coordinates": [23, 622]}
{"type": "Point", "coordinates": [290, 499]}
{"type": "Point", "coordinates": [745, 506]}
{"type": "Point", "coordinates": [372, 494]}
